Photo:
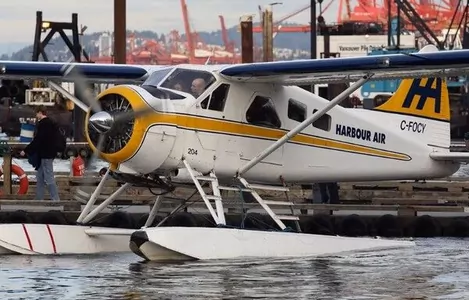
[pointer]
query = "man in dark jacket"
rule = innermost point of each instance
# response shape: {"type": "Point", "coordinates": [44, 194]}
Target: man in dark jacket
{"type": "Point", "coordinates": [41, 152]}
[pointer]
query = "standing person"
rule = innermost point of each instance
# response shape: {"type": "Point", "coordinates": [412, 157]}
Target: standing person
{"type": "Point", "coordinates": [41, 153]}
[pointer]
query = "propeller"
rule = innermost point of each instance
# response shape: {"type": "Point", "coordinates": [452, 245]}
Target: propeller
{"type": "Point", "coordinates": [109, 122]}
{"type": "Point", "coordinates": [101, 121]}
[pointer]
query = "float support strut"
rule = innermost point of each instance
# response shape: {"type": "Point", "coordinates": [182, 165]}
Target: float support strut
{"type": "Point", "coordinates": [105, 203]}
{"type": "Point", "coordinates": [93, 197]}
{"type": "Point", "coordinates": [154, 211]}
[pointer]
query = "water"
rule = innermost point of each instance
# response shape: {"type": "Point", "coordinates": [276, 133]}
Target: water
{"type": "Point", "coordinates": [463, 171]}
{"type": "Point", "coordinates": [434, 269]}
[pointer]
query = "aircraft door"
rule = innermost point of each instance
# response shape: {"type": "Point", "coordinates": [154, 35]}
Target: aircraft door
{"type": "Point", "coordinates": [262, 130]}
{"type": "Point", "coordinates": [206, 119]}
{"type": "Point", "coordinates": [210, 111]}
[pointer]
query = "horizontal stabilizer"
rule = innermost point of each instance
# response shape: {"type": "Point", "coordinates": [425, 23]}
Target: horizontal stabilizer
{"type": "Point", "coordinates": [450, 156]}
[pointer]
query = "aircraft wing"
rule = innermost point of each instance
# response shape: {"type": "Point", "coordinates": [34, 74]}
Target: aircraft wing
{"type": "Point", "coordinates": [108, 73]}
{"type": "Point", "coordinates": [450, 156]}
{"type": "Point", "coordinates": [350, 69]}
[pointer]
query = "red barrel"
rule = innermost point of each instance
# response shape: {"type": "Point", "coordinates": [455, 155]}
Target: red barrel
{"type": "Point", "coordinates": [78, 166]}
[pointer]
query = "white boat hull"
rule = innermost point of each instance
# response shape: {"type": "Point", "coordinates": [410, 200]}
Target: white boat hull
{"type": "Point", "coordinates": [44, 239]}
{"type": "Point", "coordinates": [201, 243]}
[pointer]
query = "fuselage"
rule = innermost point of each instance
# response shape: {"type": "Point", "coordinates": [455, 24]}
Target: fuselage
{"type": "Point", "coordinates": [232, 122]}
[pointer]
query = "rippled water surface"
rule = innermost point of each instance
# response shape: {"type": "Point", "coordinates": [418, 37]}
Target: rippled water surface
{"type": "Point", "coordinates": [435, 269]}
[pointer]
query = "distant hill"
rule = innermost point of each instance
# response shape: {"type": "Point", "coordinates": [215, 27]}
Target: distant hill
{"type": "Point", "coordinates": [10, 48]}
{"type": "Point", "coordinates": [56, 50]}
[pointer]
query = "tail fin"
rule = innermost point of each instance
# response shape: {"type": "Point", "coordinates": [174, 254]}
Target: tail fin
{"type": "Point", "coordinates": [424, 108]}
{"type": "Point", "coordinates": [425, 98]}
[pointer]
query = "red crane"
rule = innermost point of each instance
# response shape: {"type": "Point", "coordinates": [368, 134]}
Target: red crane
{"type": "Point", "coordinates": [189, 35]}
{"type": "Point", "coordinates": [229, 45]}
{"type": "Point", "coordinates": [437, 16]}
{"type": "Point", "coordinates": [193, 41]}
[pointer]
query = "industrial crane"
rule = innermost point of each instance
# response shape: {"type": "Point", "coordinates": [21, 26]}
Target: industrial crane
{"type": "Point", "coordinates": [229, 44]}
{"type": "Point", "coordinates": [193, 39]}
{"type": "Point", "coordinates": [436, 16]}
{"type": "Point", "coordinates": [156, 52]}
{"type": "Point", "coordinates": [301, 28]}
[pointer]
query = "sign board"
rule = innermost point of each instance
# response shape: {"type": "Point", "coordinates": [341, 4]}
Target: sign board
{"type": "Point", "coordinates": [360, 45]}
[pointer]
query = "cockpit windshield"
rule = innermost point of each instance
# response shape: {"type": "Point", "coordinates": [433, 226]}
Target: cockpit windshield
{"type": "Point", "coordinates": [157, 76]}
{"type": "Point", "coordinates": [193, 82]}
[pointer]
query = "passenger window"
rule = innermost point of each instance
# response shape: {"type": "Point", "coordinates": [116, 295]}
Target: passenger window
{"type": "Point", "coordinates": [296, 110]}
{"type": "Point", "coordinates": [323, 123]}
{"type": "Point", "coordinates": [216, 101]}
{"type": "Point", "coordinates": [262, 112]}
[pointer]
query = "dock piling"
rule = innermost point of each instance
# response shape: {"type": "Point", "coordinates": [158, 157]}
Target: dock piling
{"type": "Point", "coordinates": [6, 153]}
{"type": "Point", "coordinates": [7, 186]}
{"type": "Point", "coordinates": [247, 40]}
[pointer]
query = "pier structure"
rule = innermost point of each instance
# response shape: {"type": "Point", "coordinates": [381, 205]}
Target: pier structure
{"type": "Point", "coordinates": [389, 208]}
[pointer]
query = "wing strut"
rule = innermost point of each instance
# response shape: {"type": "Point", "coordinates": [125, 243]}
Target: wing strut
{"type": "Point", "coordinates": [289, 135]}
{"type": "Point", "coordinates": [68, 95]}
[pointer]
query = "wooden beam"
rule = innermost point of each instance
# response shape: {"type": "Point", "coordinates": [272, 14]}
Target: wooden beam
{"type": "Point", "coordinates": [120, 39]}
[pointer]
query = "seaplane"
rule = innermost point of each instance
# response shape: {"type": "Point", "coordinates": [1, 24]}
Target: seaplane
{"type": "Point", "coordinates": [245, 127]}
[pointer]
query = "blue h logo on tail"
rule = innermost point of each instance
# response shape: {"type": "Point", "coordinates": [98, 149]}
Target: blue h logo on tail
{"type": "Point", "coordinates": [412, 97]}
{"type": "Point", "coordinates": [424, 92]}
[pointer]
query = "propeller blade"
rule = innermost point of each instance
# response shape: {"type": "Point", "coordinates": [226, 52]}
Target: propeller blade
{"type": "Point", "coordinates": [83, 193]}
{"type": "Point", "coordinates": [99, 146]}
{"type": "Point", "coordinates": [65, 93]}
{"type": "Point", "coordinates": [71, 71]}
{"type": "Point", "coordinates": [132, 114]}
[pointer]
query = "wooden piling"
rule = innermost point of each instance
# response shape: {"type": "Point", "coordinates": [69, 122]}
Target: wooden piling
{"type": "Point", "coordinates": [7, 185]}
{"type": "Point", "coordinates": [267, 35]}
{"type": "Point", "coordinates": [247, 40]}
{"type": "Point", "coordinates": [120, 31]}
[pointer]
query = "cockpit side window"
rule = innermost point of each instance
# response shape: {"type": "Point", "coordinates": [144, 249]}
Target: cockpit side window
{"type": "Point", "coordinates": [262, 113]}
{"type": "Point", "coordinates": [162, 93]}
{"type": "Point", "coordinates": [216, 100]}
{"type": "Point", "coordinates": [157, 76]}
{"type": "Point", "coordinates": [194, 82]}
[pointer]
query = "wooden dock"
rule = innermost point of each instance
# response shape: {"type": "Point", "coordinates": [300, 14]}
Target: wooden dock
{"type": "Point", "coordinates": [395, 197]}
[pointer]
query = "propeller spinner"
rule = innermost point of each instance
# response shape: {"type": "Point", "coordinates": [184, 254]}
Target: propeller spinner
{"type": "Point", "coordinates": [101, 121]}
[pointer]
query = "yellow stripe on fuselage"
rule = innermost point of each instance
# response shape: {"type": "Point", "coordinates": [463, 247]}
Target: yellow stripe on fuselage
{"type": "Point", "coordinates": [246, 130]}
{"type": "Point", "coordinates": [219, 126]}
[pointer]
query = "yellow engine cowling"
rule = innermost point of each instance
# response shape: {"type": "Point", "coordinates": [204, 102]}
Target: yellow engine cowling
{"type": "Point", "coordinates": [141, 144]}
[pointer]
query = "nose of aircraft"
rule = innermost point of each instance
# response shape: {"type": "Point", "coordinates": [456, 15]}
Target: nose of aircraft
{"type": "Point", "coordinates": [101, 121]}
{"type": "Point", "coordinates": [117, 133]}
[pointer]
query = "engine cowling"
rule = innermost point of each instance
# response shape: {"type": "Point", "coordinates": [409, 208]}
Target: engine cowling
{"type": "Point", "coordinates": [137, 145]}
